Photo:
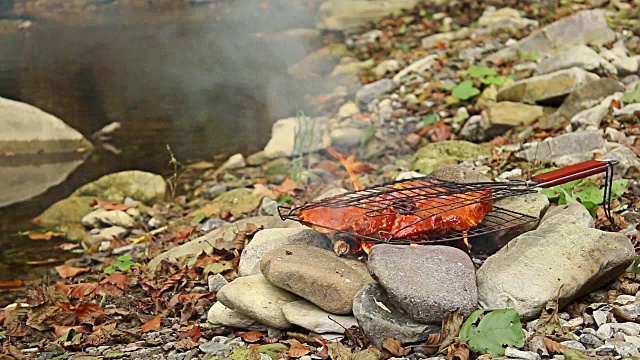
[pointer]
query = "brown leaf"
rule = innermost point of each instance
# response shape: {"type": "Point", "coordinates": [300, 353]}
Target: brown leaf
{"type": "Point", "coordinates": [394, 346]}
{"type": "Point", "coordinates": [458, 351]}
{"type": "Point", "coordinates": [621, 315]}
{"type": "Point", "coordinates": [60, 330]}
{"type": "Point", "coordinates": [288, 187]}
{"type": "Point", "coordinates": [553, 347]}
{"type": "Point", "coordinates": [11, 284]}
{"type": "Point", "coordinates": [118, 279]}
{"type": "Point", "coordinates": [433, 344]}
{"type": "Point", "coordinates": [185, 344]}
{"type": "Point", "coordinates": [76, 291]}
{"type": "Point", "coordinates": [337, 351]}
{"type": "Point", "coordinates": [89, 313]}
{"type": "Point", "coordinates": [549, 322]}
{"type": "Point", "coordinates": [192, 332]}
{"type": "Point", "coordinates": [110, 206]}
{"type": "Point", "coordinates": [451, 326]}
{"type": "Point", "coordinates": [38, 295]}
{"type": "Point", "coordinates": [171, 282]}
{"type": "Point", "coordinates": [252, 336]}
{"type": "Point", "coordinates": [45, 235]}
{"type": "Point", "coordinates": [187, 298]}
{"type": "Point", "coordinates": [66, 271]}
{"type": "Point", "coordinates": [185, 232]}
{"type": "Point", "coordinates": [297, 349]}
{"type": "Point", "coordinates": [151, 325]}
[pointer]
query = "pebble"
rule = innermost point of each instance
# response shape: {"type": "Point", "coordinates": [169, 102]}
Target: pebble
{"type": "Point", "coordinates": [590, 341]}
{"type": "Point", "coordinates": [101, 217]}
{"type": "Point", "coordinates": [216, 282]}
{"type": "Point", "coordinates": [574, 344]}
{"type": "Point", "coordinates": [604, 332]}
{"type": "Point", "coordinates": [626, 349]}
{"type": "Point", "coordinates": [600, 317]}
{"type": "Point", "coordinates": [627, 328]}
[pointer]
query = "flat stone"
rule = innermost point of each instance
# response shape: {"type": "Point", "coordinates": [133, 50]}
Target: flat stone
{"type": "Point", "coordinates": [367, 93]}
{"type": "Point", "coordinates": [590, 341]}
{"type": "Point", "coordinates": [590, 119]}
{"type": "Point", "coordinates": [223, 316]}
{"type": "Point", "coordinates": [432, 41]}
{"type": "Point", "coordinates": [311, 135]}
{"type": "Point", "coordinates": [626, 157]}
{"type": "Point", "coordinates": [29, 130]}
{"type": "Point", "coordinates": [256, 159]}
{"type": "Point", "coordinates": [458, 173]}
{"type": "Point", "coordinates": [549, 88]}
{"type": "Point", "coordinates": [110, 233]}
{"type": "Point", "coordinates": [101, 217]}
{"type": "Point", "coordinates": [70, 210]}
{"type": "Point", "coordinates": [328, 281]}
{"type": "Point", "coordinates": [513, 353]}
{"type": "Point", "coordinates": [580, 56]}
{"type": "Point", "coordinates": [141, 186]}
{"type": "Point", "coordinates": [414, 277]}
{"type": "Point", "coordinates": [626, 349]}
{"type": "Point", "coordinates": [267, 240]}
{"type": "Point", "coordinates": [255, 297]}
{"type": "Point", "coordinates": [499, 117]}
{"type": "Point", "coordinates": [560, 254]}
{"type": "Point", "coordinates": [268, 207]}
{"type": "Point", "coordinates": [350, 14]}
{"type": "Point", "coordinates": [385, 67]}
{"type": "Point", "coordinates": [588, 95]}
{"type": "Point", "coordinates": [604, 332]}
{"type": "Point", "coordinates": [494, 16]}
{"type": "Point", "coordinates": [569, 213]}
{"type": "Point", "coordinates": [585, 27]}
{"type": "Point", "coordinates": [311, 317]}
{"type": "Point", "coordinates": [219, 238]}
{"type": "Point", "coordinates": [417, 66]}
{"type": "Point", "coordinates": [430, 156]}
{"type": "Point", "coordinates": [236, 161]}
{"type": "Point", "coordinates": [380, 319]}
{"type": "Point", "coordinates": [565, 149]}
{"type": "Point", "coordinates": [233, 202]}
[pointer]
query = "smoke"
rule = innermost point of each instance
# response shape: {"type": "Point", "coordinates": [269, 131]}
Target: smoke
{"type": "Point", "coordinates": [207, 79]}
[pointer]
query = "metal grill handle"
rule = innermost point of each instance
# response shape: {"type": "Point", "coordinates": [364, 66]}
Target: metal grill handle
{"type": "Point", "coordinates": [570, 173]}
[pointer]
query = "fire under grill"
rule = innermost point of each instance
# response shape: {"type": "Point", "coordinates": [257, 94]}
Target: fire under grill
{"type": "Point", "coordinates": [426, 210]}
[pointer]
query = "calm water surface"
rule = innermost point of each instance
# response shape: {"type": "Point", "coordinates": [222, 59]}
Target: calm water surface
{"type": "Point", "coordinates": [203, 84]}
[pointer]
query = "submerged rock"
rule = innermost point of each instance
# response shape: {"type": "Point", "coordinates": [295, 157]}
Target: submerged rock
{"type": "Point", "coordinates": [142, 186]}
{"type": "Point", "coordinates": [427, 282]}
{"type": "Point", "coordinates": [254, 297]}
{"type": "Point", "coordinates": [568, 261]}
{"type": "Point", "coordinates": [29, 130]}
{"type": "Point", "coordinates": [380, 319]}
{"type": "Point", "coordinates": [317, 275]}
{"type": "Point", "coordinates": [270, 239]}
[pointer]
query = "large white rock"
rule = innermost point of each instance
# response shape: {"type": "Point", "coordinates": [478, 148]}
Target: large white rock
{"type": "Point", "coordinates": [26, 129]}
{"type": "Point", "coordinates": [254, 297]}
{"type": "Point", "coordinates": [297, 135]}
{"type": "Point", "coordinates": [270, 239]}
{"type": "Point", "coordinates": [223, 316]}
{"type": "Point", "coordinates": [556, 261]}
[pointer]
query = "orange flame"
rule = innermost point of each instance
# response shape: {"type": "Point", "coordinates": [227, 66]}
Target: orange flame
{"type": "Point", "coordinates": [352, 175]}
{"type": "Point", "coordinates": [366, 247]}
{"type": "Point", "coordinates": [465, 239]}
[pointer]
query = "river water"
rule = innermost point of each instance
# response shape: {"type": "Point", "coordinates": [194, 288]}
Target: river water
{"type": "Point", "coordinates": [204, 82]}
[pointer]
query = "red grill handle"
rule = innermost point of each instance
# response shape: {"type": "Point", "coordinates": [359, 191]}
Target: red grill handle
{"type": "Point", "coordinates": [570, 173]}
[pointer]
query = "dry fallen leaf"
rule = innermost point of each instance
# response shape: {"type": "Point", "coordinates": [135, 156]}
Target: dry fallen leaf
{"type": "Point", "coordinates": [337, 351]}
{"type": "Point", "coordinates": [61, 330]}
{"type": "Point", "coordinates": [45, 235]}
{"type": "Point", "coordinates": [298, 349]}
{"type": "Point", "coordinates": [118, 279]}
{"type": "Point", "coordinates": [110, 206]}
{"type": "Point", "coordinates": [553, 347]}
{"type": "Point", "coordinates": [394, 346]}
{"type": "Point", "coordinates": [451, 326]}
{"type": "Point", "coordinates": [252, 336]}
{"type": "Point", "coordinates": [11, 284]}
{"type": "Point", "coordinates": [76, 291]}
{"type": "Point", "coordinates": [151, 325]}
{"type": "Point", "coordinates": [66, 271]}
{"type": "Point", "coordinates": [458, 351]}
{"type": "Point", "coordinates": [288, 187]}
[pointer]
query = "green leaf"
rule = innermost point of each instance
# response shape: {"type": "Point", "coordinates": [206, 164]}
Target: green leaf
{"type": "Point", "coordinates": [481, 71]}
{"type": "Point", "coordinates": [368, 134]}
{"type": "Point", "coordinates": [273, 350]}
{"type": "Point", "coordinates": [245, 354]}
{"type": "Point", "coordinates": [542, 171]}
{"type": "Point", "coordinates": [633, 96]}
{"type": "Point", "coordinates": [3, 334]}
{"type": "Point", "coordinates": [566, 197]}
{"type": "Point", "coordinates": [550, 193]}
{"type": "Point", "coordinates": [494, 331]}
{"type": "Point", "coordinates": [216, 268]}
{"type": "Point", "coordinates": [110, 269]}
{"type": "Point", "coordinates": [465, 90]}
{"type": "Point", "coordinates": [589, 192]}
{"type": "Point", "coordinates": [618, 188]}
{"type": "Point", "coordinates": [448, 86]}
{"type": "Point", "coordinates": [198, 219]}
{"type": "Point", "coordinates": [286, 199]}
{"type": "Point", "coordinates": [430, 119]}
{"type": "Point", "coordinates": [403, 28]}
{"type": "Point", "coordinates": [592, 207]}
{"type": "Point", "coordinates": [494, 80]}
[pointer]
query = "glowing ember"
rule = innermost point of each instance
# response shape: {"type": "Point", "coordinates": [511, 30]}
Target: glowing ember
{"type": "Point", "coordinates": [352, 175]}
{"type": "Point", "coordinates": [366, 247]}
{"type": "Point", "coordinates": [465, 239]}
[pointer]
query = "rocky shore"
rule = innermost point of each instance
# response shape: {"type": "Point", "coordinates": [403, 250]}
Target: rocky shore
{"type": "Point", "coordinates": [201, 265]}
